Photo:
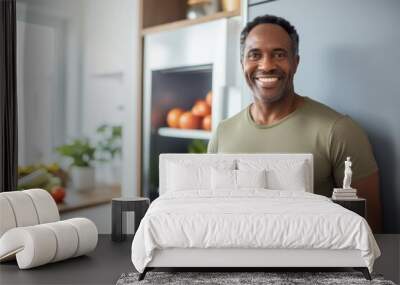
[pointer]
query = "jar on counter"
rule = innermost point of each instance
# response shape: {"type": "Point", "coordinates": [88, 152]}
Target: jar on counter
{"type": "Point", "coordinates": [230, 5]}
{"type": "Point", "coordinates": [200, 8]}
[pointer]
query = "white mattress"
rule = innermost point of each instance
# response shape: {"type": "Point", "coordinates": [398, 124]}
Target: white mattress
{"type": "Point", "coordinates": [252, 218]}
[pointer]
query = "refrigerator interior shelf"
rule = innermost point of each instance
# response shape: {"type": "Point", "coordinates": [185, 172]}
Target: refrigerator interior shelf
{"type": "Point", "coordinates": [188, 134]}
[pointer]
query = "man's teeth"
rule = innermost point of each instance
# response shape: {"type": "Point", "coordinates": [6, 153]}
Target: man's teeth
{"type": "Point", "coordinates": [267, 79]}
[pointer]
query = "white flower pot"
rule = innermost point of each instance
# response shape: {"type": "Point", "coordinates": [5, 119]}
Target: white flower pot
{"type": "Point", "coordinates": [116, 171]}
{"type": "Point", "coordinates": [83, 178]}
{"type": "Point", "coordinates": [108, 174]}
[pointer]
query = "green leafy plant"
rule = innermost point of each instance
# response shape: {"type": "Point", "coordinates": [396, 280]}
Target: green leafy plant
{"type": "Point", "coordinates": [80, 151]}
{"type": "Point", "coordinates": [197, 146]}
{"type": "Point", "coordinates": [109, 145]}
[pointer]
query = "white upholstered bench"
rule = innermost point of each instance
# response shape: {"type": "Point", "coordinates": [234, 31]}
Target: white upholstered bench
{"type": "Point", "coordinates": [31, 230]}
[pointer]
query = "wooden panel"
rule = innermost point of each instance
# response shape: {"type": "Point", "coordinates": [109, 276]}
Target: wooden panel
{"type": "Point", "coordinates": [75, 200]}
{"type": "Point", "coordinates": [257, 2]}
{"type": "Point", "coordinates": [186, 23]}
{"type": "Point", "coordinates": [157, 12]}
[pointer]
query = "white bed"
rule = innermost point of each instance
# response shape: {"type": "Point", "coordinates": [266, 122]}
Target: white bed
{"type": "Point", "coordinates": [203, 220]}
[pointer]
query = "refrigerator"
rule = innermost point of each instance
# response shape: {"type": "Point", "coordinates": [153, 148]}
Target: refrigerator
{"type": "Point", "coordinates": [180, 67]}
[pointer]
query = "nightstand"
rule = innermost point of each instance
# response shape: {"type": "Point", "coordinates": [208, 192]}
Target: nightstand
{"type": "Point", "coordinates": [138, 205]}
{"type": "Point", "coordinates": [358, 205]}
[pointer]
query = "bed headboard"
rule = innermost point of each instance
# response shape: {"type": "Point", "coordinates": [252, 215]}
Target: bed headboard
{"type": "Point", "coordinates": [165, 158]}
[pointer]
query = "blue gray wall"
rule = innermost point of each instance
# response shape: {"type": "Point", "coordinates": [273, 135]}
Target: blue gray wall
{"type": "Point", "coordinates": [350, 60]}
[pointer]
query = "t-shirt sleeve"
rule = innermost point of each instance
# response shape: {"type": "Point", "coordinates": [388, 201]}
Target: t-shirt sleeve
{"type": "Point", "coordinates": [213, 143]}
{"type": "Point", "coordinates": [348, 139]}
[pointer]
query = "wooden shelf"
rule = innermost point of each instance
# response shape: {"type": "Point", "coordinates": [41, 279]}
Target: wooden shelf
{"type": "Point", "coordinates": [186, 23]}
{"type": "Point", "coordinates": [75, 200]}
{"type": "Point", "coordinates": [186, 134]}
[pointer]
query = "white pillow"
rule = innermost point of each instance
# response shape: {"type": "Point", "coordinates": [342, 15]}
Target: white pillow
{"type": "Point", "coordinates": [188, 175]}
{"type": "Point", "coordinates": [182, 177]}
{"type": "Point", "coordinates": [280, 174]}
{"type": "Point", "coordinates": [236, 179]}
{"type": "Point", "coordinates": [289, 179]}
{"type": "Point", "coordinates": [251, 178]}
{"type": "Point", "coordinates": [223, 179]}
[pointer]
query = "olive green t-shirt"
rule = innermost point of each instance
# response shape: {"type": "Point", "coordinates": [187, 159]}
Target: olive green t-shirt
{"type": "Point", "coordinates": [311, 128]}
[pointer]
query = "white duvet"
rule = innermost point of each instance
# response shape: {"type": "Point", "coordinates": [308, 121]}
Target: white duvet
{"type": "Point", "coordinates": [250, 219]}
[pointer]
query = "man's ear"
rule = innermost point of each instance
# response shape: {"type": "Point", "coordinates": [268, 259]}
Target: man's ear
{"type": "Point", "coordinates": [296, 62]}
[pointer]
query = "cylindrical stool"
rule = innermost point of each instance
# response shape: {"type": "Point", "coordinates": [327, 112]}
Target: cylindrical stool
{"type": "Point", "coordinates": [138, 205]}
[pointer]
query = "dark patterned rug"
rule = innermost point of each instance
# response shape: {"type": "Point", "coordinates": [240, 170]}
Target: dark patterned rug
{"type": "Point", "coordinates": [243, 278]}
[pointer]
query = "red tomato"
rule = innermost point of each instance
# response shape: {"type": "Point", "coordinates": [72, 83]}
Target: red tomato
{"type": "Point", "coordinates": [189, 121]}
{"type": "Point", "coordinates": [58, 193]}
{"type": "Point", "coordinates": [201, 108]}
{"type": "Point", "coordinates": [173, 117]}
{"type": "Point", "coordinates": [206, 123]}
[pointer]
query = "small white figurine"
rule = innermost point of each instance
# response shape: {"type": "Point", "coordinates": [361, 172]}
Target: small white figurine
{"type": "Point", "coordinates": [347, 174]}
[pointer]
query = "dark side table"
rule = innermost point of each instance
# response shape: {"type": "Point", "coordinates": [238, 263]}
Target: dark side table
{"type": "Point", "coordinates": [358, 205]}
{"type": "Point", "coordinates": [119, 206]}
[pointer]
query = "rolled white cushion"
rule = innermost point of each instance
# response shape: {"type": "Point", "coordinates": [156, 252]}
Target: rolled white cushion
{"type": "Point", "coordinates": [87, 234]}
{"type": "Point", "coordinates": [67, 240]}
{"type": "Point", "coordinates": [37, 245]}
{"type": "Point", "coordinates": [46, 207]}
{"type": "Point", "coordinates": [7, 218]}
{"type": "Point", "coordinates": [23, 208]}
{"type": "Point", "coordinates": [33, 245]}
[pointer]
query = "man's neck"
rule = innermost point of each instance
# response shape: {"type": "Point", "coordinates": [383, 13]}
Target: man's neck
{"type": "Point", "coordinates": [264, 113]}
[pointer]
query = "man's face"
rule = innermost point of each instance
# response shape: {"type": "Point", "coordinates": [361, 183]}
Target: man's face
{"type": "Point", "coordinates": [269, 62]}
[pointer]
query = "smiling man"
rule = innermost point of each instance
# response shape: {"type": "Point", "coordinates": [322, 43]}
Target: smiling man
{"type": "Point", "coordinates": [281, 121]}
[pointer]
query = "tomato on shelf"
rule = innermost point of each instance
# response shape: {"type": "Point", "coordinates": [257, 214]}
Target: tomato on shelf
{"type": "Point", "coordinates": [201, 108]}
{"type": "Point", "coordinates": [198, 117]}
{"type": "Point", "coordinates": [189, 121]}
{"type": "Point", "coordinates": [173, 117]}
{"type": "Point", "coordinates": [206, 123]}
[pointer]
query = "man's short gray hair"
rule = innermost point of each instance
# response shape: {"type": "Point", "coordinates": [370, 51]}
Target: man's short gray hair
{"type": "Point", "coordinates": [270, 19]}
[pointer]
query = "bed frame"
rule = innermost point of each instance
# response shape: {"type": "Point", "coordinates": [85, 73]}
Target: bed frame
{"type": "Point", "coordinates": [242, 258]}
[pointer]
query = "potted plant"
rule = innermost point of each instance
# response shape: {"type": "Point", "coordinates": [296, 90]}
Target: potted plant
{"type": "Point", "coordinates": [108, 151]}
{"type": "Point", "coordinates": [197, 146]}
{"type": "Point", "coordinates": [81, 153]}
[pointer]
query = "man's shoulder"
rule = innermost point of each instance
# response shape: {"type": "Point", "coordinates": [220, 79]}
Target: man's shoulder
{"type": "Point", "coordinates": [318, 109]}
{"type": "Point", "coordinates": [338, 124]}
{"type": "Point", "coordinates": [239, 117]}
{"type": "Point", "coordinates": [318, 114]}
